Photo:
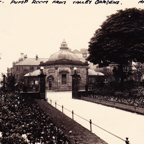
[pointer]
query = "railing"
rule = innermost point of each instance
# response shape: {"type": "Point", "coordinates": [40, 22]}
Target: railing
{"type": "Point", "coordinates": [90, 121]}
{"type": "Point", "coordinates": [136, 102]}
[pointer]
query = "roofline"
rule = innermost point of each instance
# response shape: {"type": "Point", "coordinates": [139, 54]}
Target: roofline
{"type": "Point", "coordinates": [96, 75]}
{"type": "Point", "coordinates": [29, 76]}
{"type": "Point", "coordinates": [18, 63]}
{"type": "Point", "coordinates": [70, 63]}
{"type": "Point", "coordinates": [28, 65]}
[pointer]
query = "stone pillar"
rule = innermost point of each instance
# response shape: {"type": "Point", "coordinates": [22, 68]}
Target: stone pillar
{"type": "Point", "coordinates": [87, 80]}
{"type": "Point", "coordinates": [75, 80]}
{"type": "Point", "coordinates": [42, 86]}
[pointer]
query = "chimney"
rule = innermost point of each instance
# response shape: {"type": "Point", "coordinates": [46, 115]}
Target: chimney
{"type": "Point", "coordinates": [20, 59]}
{"type": "Point", "coordinates": [22, 55]}
{"type": "Point", "coordinates": [25, 57]}
{"type": "Point", "coordinates": [36, 57]}
{"type": "Point", "coordinates": [14, 63]}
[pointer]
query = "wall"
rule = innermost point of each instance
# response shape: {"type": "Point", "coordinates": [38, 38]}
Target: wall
{"type": "Point", "coordinates": [116, 105]}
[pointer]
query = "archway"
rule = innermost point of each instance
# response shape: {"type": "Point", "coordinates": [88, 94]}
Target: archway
{"type": "Point", "coordinates": [50, 82]}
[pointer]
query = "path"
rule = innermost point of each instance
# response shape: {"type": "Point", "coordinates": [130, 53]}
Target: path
{"type": "Point", "coordinates": [121, 123]}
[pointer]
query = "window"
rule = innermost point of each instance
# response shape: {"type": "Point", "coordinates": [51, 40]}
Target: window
{"type": "Point", "coordinates": [63, 78]}
{"type": "Point", "coordinates": [31, 68]}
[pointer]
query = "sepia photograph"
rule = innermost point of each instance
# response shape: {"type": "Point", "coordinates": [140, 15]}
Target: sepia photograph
{"type": "Point", "coordinates": [71, 72]}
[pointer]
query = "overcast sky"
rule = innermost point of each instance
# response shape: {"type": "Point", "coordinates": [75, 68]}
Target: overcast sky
{"type": "Point", "coordinates": [40, 28]}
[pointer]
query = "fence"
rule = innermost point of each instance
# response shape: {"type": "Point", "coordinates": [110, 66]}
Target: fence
{"type": "Point", "coordinates": [89, 121]}
{"type": "Point", "coordinates": [133, 105]}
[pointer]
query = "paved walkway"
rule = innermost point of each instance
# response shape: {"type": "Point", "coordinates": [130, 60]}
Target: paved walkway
{"type": "Point", "coordinates": [121, 123]}
{"type": "Point", "coordinates": [71, 129]}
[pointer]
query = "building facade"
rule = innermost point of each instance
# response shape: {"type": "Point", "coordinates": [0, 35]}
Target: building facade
{"type": "Point", "coordinates": [60, 67]}
{"type": "Point", "coordinates": [25, 65]}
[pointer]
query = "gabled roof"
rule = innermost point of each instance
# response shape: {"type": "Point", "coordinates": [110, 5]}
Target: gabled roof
{"type": "Point", "coordinates": [84, 50]}
{"type": "Point", "coordinates": [34, 73]}
{"type": "Point", "coordinates": [94, 73]}
{"type": "Point", "coordinates": [31, 61]}
{"type": "Point", "coordinates": [76, 51]}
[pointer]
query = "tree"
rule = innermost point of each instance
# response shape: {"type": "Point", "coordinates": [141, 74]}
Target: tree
{"type": "Point", "coordinates": [120, 39]}
{"type": "Point", "coordinates": [4, 81]}
{"type": "Point", "coordinates": [11, 82]}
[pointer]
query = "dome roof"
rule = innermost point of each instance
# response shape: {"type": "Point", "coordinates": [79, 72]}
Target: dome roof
{"type": "Point", "coordinates": [64, 54]}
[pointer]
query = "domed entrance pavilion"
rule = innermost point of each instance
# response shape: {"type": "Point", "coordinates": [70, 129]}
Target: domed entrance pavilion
{"type": "Point", "coordinates": [59, 68]}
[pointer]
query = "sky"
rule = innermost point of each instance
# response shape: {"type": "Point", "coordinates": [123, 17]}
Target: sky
{"type": "Point", "coordinates": [40, 28]}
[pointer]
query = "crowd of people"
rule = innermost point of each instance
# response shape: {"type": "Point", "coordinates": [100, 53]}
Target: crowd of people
{"type": "Point", "coordinates": [22, 121]}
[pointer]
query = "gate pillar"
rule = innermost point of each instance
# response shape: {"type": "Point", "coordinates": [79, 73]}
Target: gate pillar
{"type": "Point", "coordinates": [75, 81]}
{"type": "Point", "coordinates": [42, 84]}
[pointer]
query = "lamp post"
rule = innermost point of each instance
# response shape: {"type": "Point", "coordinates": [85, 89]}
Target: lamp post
{"type": "Point", "coordinates": [42, 83]}
{"type": "Point", "coordinates": [75, 70]}
{"type": "Point", "coordinates": [75, 80]}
